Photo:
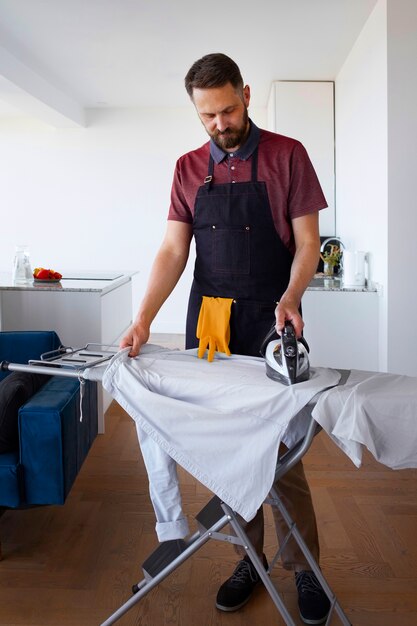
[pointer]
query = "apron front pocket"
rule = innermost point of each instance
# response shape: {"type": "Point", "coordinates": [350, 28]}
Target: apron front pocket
{"type": "Point", "coordinates": [231, 250]}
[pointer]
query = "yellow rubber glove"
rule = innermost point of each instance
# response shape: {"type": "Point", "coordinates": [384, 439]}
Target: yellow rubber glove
{"type": "Point", "coordinates": [213, 326]}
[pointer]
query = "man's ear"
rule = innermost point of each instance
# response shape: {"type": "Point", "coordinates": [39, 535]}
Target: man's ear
{"type": "Point", "coordinates": [246, 95]}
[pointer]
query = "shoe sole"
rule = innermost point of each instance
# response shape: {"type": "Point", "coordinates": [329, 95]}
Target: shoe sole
{"type": "Point", "coordinates": [230, 609]}
{"type": "Point", "coordinates": [314, 622]}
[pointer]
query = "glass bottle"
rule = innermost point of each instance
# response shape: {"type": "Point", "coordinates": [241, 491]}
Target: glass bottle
{"type": "Point", "coordinates": [22, 271]}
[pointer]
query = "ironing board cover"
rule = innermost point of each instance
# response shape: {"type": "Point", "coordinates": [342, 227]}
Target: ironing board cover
{"type": "Point", "coordinates": [375, 410]}
{"type": "Point", "coordinates": [221, 421]}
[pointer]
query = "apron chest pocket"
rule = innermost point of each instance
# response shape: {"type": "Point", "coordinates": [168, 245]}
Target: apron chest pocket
{"type": "Point", "coordinates": [231, 250]}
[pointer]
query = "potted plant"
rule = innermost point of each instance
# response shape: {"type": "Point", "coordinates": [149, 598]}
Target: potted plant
{"type": "Point", "coordinates": [330, 259]}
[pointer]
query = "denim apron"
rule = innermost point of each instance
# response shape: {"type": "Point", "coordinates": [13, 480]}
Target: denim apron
{"type": "Point", "coordinates": [239, 255]}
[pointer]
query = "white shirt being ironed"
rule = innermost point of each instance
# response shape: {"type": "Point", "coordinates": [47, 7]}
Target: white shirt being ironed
{"type": "Point", "coordinates": [222, 421]}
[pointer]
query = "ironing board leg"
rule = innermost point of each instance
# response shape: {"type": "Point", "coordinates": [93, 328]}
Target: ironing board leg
{"type": "Point", "coordinates": [250, 550]}
{"type": "Point", "coordinates": [276, 501]}
{"type": "Point", "coordinates": [210, 523]}
{"type": "Point", "coordinates": [146, 586]}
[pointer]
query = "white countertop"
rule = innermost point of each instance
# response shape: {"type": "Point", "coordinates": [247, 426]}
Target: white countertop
{"type": "Point", "coordinates": [102, 282]}
{"type": "Point", "coordinates": [335, 283]}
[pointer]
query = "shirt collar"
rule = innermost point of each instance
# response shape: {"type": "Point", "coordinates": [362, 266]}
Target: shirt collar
{"type": "Point", "coordinates": [244, 152]}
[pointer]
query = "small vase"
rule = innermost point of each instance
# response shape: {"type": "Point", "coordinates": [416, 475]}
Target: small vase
{"type": "Point", "coordinates": [328, 269]}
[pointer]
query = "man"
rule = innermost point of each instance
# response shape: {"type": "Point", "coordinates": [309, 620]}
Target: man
{"type": "Point", "coordinates": [251, 199]}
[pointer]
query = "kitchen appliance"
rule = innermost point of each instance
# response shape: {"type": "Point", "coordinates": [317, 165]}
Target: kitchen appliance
{"type": "Point", "coordinates": [354, 266]}
{"type": "Point", "coordinates": [286, 357]}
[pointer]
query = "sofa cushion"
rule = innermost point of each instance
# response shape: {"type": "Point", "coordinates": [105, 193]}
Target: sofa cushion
{"type": "Point", "coordinates": [15, 391]}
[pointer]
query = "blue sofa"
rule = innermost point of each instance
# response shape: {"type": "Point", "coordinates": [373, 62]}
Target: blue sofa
{"type": "Point", "coordinates": [52, 441]}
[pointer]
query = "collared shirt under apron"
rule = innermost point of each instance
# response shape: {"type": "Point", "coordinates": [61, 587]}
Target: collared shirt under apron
{"type": "Point", "coordinates": [239, 255]}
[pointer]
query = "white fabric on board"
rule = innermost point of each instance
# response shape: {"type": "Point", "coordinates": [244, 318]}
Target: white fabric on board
{"type": "Point", "coordinates": [222, 421]}
{"type": "Point", "coordinates": [375, 410]}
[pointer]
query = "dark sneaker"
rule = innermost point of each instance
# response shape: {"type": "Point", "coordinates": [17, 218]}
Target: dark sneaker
{"type": "Point", "coordinates": [313, 603]}
{"type": "Point", "coordinates": [237, 589]}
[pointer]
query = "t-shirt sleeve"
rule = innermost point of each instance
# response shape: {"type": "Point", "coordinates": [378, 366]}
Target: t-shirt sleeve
{"type": "Point", "coordinates": [179, 209]}
{"type": "Point", "coordinates": [305, 193]}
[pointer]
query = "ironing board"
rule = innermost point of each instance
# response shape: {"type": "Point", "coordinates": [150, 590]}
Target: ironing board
{"type": "Point", "coordinates": [345, 412]}
{"type": "Point", "coordinates": [90, 363]}
{"type": "Point", "coordinates": [212, 519]}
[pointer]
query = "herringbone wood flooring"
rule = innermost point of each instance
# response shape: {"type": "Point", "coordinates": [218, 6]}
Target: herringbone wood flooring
{"type": "Point", "coordinates": [74, 565]}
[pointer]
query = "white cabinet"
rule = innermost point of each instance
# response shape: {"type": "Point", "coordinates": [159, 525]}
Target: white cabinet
{"type": "Point", "coordinates": [341, 328]}
{"type": "Point", "coordinates": [304, 110]}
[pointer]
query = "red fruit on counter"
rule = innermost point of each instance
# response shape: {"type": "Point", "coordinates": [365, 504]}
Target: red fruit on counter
{"type": "Point", "coordinates": [43, 274]}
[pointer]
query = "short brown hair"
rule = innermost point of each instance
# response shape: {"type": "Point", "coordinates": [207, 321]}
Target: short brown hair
{"type": "Point", "coordinates": [213, 70]}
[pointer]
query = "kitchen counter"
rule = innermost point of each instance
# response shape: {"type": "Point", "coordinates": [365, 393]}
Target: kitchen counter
{"type": "Point", "coordinates": [76, 281]}
{"type": "Point", "coordinates": [335, 283]}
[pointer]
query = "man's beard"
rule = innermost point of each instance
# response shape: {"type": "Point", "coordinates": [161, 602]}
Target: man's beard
{"type": "Point", "coordinates": [231, 138]}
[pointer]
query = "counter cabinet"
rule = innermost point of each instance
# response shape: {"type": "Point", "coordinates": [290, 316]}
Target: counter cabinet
{"type": "Point", "coordinates": [342, 328]}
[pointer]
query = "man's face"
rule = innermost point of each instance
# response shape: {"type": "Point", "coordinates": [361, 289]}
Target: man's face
{"type": "Point", "coordinates": [224, 114]}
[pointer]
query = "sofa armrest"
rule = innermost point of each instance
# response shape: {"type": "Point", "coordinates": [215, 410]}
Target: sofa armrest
{"type": "Point", "coordinates": [21, 346]}
{"type": "Point", "coordinates": [53, 440]}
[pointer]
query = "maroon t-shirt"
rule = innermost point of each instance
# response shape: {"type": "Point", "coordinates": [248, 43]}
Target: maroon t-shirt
{"type": "Point", "coordinates": [283, 164]}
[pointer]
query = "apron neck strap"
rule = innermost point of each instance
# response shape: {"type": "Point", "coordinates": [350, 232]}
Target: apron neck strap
{"type": "Point", "coordinates": [208, 179]}
{"type": "Point", "coordinates": [255, 165]}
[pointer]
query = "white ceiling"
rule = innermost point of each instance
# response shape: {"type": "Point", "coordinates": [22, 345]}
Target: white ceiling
{"type": "Point", "coordinates": [122, 53]}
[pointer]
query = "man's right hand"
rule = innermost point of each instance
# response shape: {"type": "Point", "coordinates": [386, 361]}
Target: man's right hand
{"type": "Point", "coordinates": [135, 337]}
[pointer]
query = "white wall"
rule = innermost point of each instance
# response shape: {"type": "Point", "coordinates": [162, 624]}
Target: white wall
{"type": "Point", "coordinates": [376, 130]}
{"type": "Point", "coordinates": [96, 198]}
{"type": "Point", "coordinates": [362, 154]}
{"type": "Point", "coordinates": [402, 196]}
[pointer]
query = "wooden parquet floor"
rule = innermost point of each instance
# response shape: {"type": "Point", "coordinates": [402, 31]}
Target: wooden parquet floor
{"type": "Point", "coordinates": [74, 565]}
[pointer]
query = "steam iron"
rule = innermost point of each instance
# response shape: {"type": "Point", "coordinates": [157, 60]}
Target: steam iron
{"type": "Point", "coordinates": [286, 357]}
